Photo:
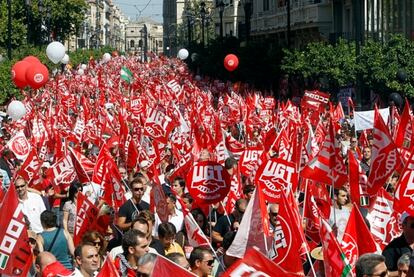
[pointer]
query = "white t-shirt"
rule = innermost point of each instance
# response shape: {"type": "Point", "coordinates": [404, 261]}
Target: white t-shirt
{"type": "Point", "coordinates": [177, 220]}
{"type": "Point", "coordinates": [341, 216]}
{"type": "Point", "coordinates": [32, 207]}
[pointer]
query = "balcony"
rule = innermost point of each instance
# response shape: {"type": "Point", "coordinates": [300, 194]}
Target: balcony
{"type": "Point", "coordinates": [301, 17]}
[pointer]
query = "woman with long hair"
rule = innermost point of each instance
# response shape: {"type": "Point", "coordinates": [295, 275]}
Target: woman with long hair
{"type": "Point", "coordinates": [69, 208]}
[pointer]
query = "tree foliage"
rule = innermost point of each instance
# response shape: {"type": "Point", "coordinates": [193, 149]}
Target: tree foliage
{"type": "Point", "coordinates": [33, 24]}
{"type": "Point", "coordinates": [384, 67]}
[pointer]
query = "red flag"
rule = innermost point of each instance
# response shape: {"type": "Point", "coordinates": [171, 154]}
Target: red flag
{"type": "Point", "coordinates": [311, 213]}
{"type": "Point", "coordinates": [385, 156]}
{"type": "Point", "coordinates": [108, 268]}
{"type": "Point", "coordinates": [158, 125]}
{"type": "Point", "coordinates": [30, 167]}
{"type": "Point", "coordinates": [357, 239]}
{"type": "Point", "coordinates": [114, 192]}
{"type": "Point", "coordinates": [235, 192]}
{"type": "Point", "coordinates": [335, 261]}
{"type": "Point", "coordinates": [255, 263]}
{"type": "Point", "coordinates": [276, 176]}
{"type": "Point", "coordinates": [320, 168]}
{"type": "Point", "coordinates": [86, 216]}
{"type": "Point", "coordinates": [159, 202]}
{"type": "Point", "coordinates": [288, 238]}
{"type": "Point", "coordinates": [208, 182]}
{"type": "Point", "coordinates": [404, 131]}
{"type": "Point", "coordinates": [100, 168]}
{"type": "Point", "coordinates": [19, 145]}
{"type": "Point", "coordinates": [383, 219]}
{"type": "Point", "coordinates": [15, 250]}
{"type": "Point", "coordinates": [164, 267]}
{"type": "Point", "coordinates": [62, 172]}
{"type": "Point", "coordinates": [357, 180]}
{"type": "Point", "coordinates": [405, 188]}
{"type": "Point", "coordinates": [83, 166]}
{"type": "Point", "coordinates": [254, 226]}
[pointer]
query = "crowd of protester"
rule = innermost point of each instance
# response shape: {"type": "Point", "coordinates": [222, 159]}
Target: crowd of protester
{"type": "Point", "coordinates": [134, 235]}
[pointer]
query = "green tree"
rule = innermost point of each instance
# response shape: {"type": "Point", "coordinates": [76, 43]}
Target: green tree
{"type": "Point", "coordinates": [18, 24]}
{"type": "Point", "coordinates": [337, 62]}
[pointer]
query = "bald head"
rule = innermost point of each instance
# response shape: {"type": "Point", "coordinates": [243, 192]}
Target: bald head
{"type": "Point", "coordinates": [44, 259]}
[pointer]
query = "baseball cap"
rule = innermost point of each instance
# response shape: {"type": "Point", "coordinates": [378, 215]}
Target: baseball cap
{"type": "Point", "coordinates": [56, 269]}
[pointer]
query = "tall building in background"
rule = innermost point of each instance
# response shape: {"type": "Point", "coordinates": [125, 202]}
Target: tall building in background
{"type": "Point", "coordinates": [314, 20]}
{"type": "Point", "coordinates": [104, 25]}
{"type": "Point", "coordinates": [136, 33]}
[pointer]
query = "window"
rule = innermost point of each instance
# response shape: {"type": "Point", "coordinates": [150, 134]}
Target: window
{"type": "Point", "coordinates": [160, 43]}
{"type": "Point", "coordinates": [265, 5]}
{"type": "Point", "coordinates": [132, 43]}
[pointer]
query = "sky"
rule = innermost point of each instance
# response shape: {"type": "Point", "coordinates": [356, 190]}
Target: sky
{"type": "Point", "coordinates": [141, 8]}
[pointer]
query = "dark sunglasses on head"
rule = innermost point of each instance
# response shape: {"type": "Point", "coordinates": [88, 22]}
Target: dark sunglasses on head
{"type": "Point", "coordinates": [273, 214]}
{"type": "Point", "coordinates": [138, 189]}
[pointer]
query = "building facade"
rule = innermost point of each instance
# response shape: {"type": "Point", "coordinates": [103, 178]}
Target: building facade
{"type": "Point", "coordinates": [104, 25]}
{"type": "Point", "coordinates": [314, 20]}
{"type": "Point", "coordinates": [145, 33]}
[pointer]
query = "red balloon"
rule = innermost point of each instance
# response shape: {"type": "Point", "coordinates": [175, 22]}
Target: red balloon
{"type": "Point", "coordinates": [231, 62]}
{"type": "Point", "coordinates": [37, 75]}
{"type": "Point", "coordinates": [31, 59]}
{"type": "Point", "coordinates": [18, 72]}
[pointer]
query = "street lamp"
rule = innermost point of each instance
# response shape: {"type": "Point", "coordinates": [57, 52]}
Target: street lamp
{"type": "Point", "coordinates": [221, 10]}
{"type": "Point", "coordinates": [247, 15]}
{"type": "Point", "coordinates": [203, 17]}
{"type": "Point", "coordinates": [188, 15]}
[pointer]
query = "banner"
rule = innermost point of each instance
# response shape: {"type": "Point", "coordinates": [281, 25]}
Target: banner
{"type": "Point", "coordinates": [365, 120]}
{"type": "Point", "coordinates": [15, 251]}
{"type": "Point", "coordinates": [315, 100]}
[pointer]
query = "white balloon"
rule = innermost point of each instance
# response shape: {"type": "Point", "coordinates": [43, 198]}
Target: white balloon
{"type": "Point", "coordinates": [81, 71]}
{"type": "Point", "coordinates": [16, 110]}
{"type": "Point", "coordinates": [106, 57]}
{"type": "Point", "coordinates": [55, 51]}
{"type": "Point", "coordinates": [83, 66]}
{"type": "Point", "coordinates": [183, 54]}
{"type": "Point", "coordinates": [65, 59]}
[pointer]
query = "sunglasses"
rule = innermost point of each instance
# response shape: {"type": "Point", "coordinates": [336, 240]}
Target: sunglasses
{"type": "Point", "coordinates": [138, 189]}
{"type": "Point", "coordinates": [97, 243]}
{"type": "Point", "coordinates": [273, 214]}
{"type": "Point", "coordinates": [19, 187]}
{"type": "Point", "coordinates": [209, 262]}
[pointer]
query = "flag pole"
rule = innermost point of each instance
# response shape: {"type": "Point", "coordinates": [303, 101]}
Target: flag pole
{"type": "Point", "coordinates": [310, 262]}
{"type": "Point", "coordinates": [225, 213]}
